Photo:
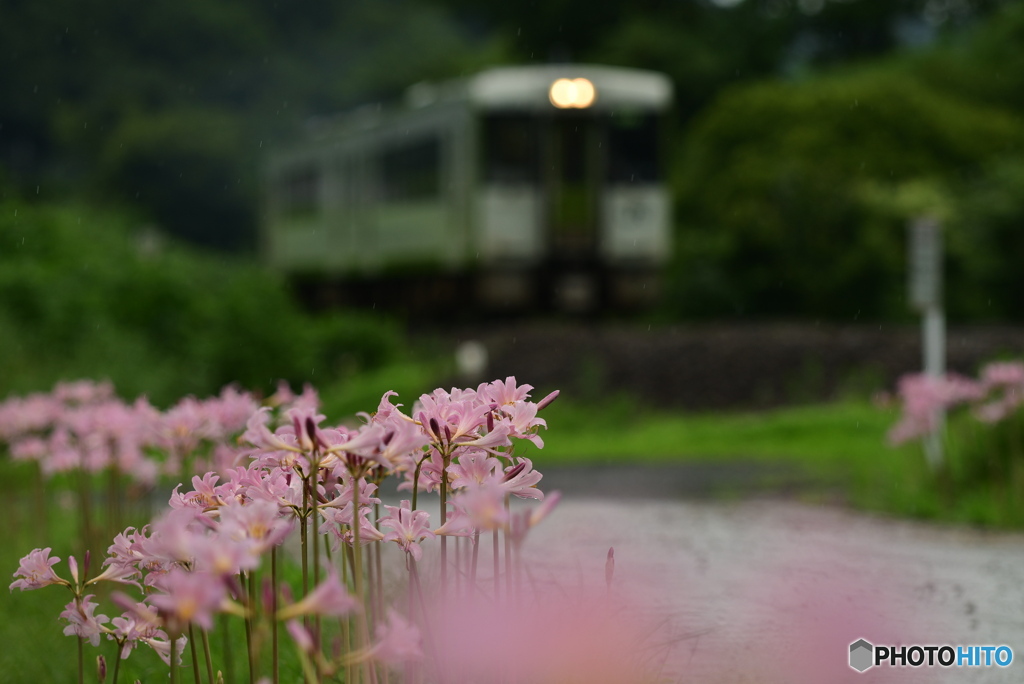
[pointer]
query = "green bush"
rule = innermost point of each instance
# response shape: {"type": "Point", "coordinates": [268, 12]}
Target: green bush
{"type": "Point", "coordinates": [84, 294]}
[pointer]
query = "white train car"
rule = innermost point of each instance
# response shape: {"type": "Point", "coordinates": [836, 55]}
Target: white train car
{"type": "Point", "coordinates": [538, 186]}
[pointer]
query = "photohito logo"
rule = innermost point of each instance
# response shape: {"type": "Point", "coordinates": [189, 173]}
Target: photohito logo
{"type": "Point", "coordinates": [865, 655]}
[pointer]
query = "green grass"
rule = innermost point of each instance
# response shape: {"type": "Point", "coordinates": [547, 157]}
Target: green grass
{"type": "Point", "coordinates": [819, 434]}
{"type": "Point", "coordinates": [842, 446]}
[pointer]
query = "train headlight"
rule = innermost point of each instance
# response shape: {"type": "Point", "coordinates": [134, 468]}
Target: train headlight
{"type": "Point", "coordinates": [577, 93]}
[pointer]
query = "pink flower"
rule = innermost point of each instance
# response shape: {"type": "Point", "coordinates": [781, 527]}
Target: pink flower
{"type": "Point", "coordinates": [1003, 373]}
{"type": "Point", "coordinates": [506, 392]}
{"type": "Point", "coordinates": [328, 598]}
{"type": "Point", "coordinates": [473, 469]}
{"type": "Point", "coordinates": [36, 571]}
{"type": "Point", "coordinates": [342, 520]}
{"type": "Point", "coordinates": [398, 640]}
{"type": "Point", "coordinates": [924, 396]}
{"type": "Point", "coordinates": [484, 506]}
{"type": "Point", "coordinates": [162, 646]}
{"type": "Point", "coordinates": [82, 620]}
{"type": "Point", "coordinates": [190, 597]}
{"type": "Point", "coordinates": [259, 435]}
{"type": "Point", "coordinates": [407, 527]}
{"type": "Point", "coordinates": [300, 635]}
{"type": "Point", "coordinates": [521, 480]}
{"type": "Point", "coordinates": [259, 522]}
{"type": "Point", "coordinates": [222, 556]}
{"type": "Point", "coordinates": [525, 422]}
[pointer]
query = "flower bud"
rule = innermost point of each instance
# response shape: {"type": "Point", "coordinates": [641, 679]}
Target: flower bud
{"type": "Point", "coordinates": [518, 468]}
{"type": "Point", "coordinates": [73, 567]}
{"type": "Point", "coordinates": [311, 432]}
{"type": "Point", "coordinates": [543, 403]}
{"type": "Point", "coordinates": [101, 669]}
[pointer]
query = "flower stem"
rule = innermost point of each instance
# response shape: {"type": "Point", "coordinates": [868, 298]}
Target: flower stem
{"type": "Point", "coordinates": [357, 573]}
{"type": "Point", "coordinates": [246, 588]}
{"type": "Point", "coordinates": [416, 480]}
{"type": "Point", "coordinates": [275, 672]}
{"type": "Point", "coordinates": [313, 490]}
{"type": "Point", "coordinates": [445, 459]}
{"type": "Point", "coordinates": [174, 660]}
{"type": "Point", "coordinates": [206, 654]}
{"type": "Point", "coordinates": [497, 565]}
{"type": "Point", "coordinates": [229, 660]}
{"type": "Point", "coordinates": [81, 662]}
{"type": "Point", "coordinates": [508, 552]}
{"type": "Point", "coordinates": [117, 660]}
{"type": "Point", "coordinates": [473, 563]}
{"type": "Point", "coordinates": [195, 655]}
{"type": "Point", "coordinates": [303, 537]}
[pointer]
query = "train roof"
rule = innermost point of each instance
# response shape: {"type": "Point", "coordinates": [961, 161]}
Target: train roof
{"type": "Point", "coordinates": [517, 88]}
{"type": "Point", "coordinates": [527, 87]}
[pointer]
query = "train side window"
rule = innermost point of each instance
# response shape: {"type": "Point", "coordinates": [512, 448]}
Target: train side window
{"type": "Point", "coordinates": [300, 191]}
{"type": "Point", "coordinates": [510, 149]}
{"type": "Point", "coordinates": [633, 148]}
{"type": "Point", "coordinates": [412, 172]}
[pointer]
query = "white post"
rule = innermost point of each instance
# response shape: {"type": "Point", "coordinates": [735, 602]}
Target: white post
{"type": "Point", "coordinates": [934, 338]}
{"type": "Point", "coordinates": [925, 282]}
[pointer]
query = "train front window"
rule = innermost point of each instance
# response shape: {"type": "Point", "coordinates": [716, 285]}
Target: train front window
{"type": "Point", "coordinates": [510, 149]}
{"type": "Point", "coordinates": [300, 191]}
{"type": "Point", "coordinates": [633, 148]}
{"type": "Point", "coordinates": [412, 172]}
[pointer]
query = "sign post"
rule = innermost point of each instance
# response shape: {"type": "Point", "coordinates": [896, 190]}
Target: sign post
{"type": "Point", "coordinates": [925, 284]}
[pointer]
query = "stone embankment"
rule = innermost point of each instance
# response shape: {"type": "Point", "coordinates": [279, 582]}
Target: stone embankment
{"type": "Point", "coordinates": [723, 366]}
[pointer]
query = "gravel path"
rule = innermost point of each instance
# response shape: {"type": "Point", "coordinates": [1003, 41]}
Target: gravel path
{"type": "Point", "coordinates": [774, 591]}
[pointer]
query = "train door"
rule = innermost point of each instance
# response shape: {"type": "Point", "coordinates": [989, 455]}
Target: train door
{"type": "Point", "coordinates": [572, 166]}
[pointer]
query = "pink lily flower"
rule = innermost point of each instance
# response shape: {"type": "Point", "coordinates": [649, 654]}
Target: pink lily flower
{"type": "Point", "coordinates": [82, 620]}
{"type": "Point", "coordinates": [407, 527]}
{"type": "Point", "coordinates": [36, 571]}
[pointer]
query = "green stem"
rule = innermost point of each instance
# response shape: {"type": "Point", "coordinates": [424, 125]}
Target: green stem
{"type": "Point", "coordinates": [229, 660]}
{"type": "Point", "coordinates": [275, 672]}
{"type": "Point", "coordinates": [195, 654]}
{"type": "Point", "coordinates": [246, 584]}
{"type": "Point", "coordinates": [117, 660]}
{"type": "Point", "coordinates": [307, 668]}
{"type": "Point", "coordinates": [377, 562]}
{"type": "Point", "coordinates": [473, 563]}
{"type": "Point", "coordinates": [81, 662]}
{"type": "Point", "coordinates": [508, 552]}
{"type": "Point", "coordinates": [316, 546]}
{"type": "Point", "coordinates": [444, 518]}
{"type": "Point", "coordinates": [206, 654]}
{"type": "Point", "coordinates": [174, 660]}
{"type": "Point", "coordinates": [253, 661]}
{"type": "Point", "coordinates": [416, 480]}
{"type": "Point", "coordinates": [497, 565]}
{"type": "Point", "coordinates": [357, 572]}
{"type": "Point", "coordinates": [303, 536]}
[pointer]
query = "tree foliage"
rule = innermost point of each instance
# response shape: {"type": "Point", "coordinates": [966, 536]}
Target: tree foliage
{"type": "Point", "coordinates": [789, 191]}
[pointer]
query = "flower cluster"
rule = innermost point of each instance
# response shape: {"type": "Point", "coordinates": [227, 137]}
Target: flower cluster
{"type": "Point", "coordinates": [282, 470]}
{"type": "Point", "coordinates": [995, 395]}
{"type": "Point", "coordinates": [83, 425]}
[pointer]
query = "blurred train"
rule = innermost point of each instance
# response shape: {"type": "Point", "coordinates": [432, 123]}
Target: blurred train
{"type": "Point", "coordinates": [535, 187]}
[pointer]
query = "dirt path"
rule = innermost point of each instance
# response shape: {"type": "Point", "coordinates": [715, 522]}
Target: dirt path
{"type": "Point", "coordinates": [773, 591]}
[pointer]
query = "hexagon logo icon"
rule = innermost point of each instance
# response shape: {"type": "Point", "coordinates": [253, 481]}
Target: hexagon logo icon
{"type": "Point", "coordinates": [861, 655]}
